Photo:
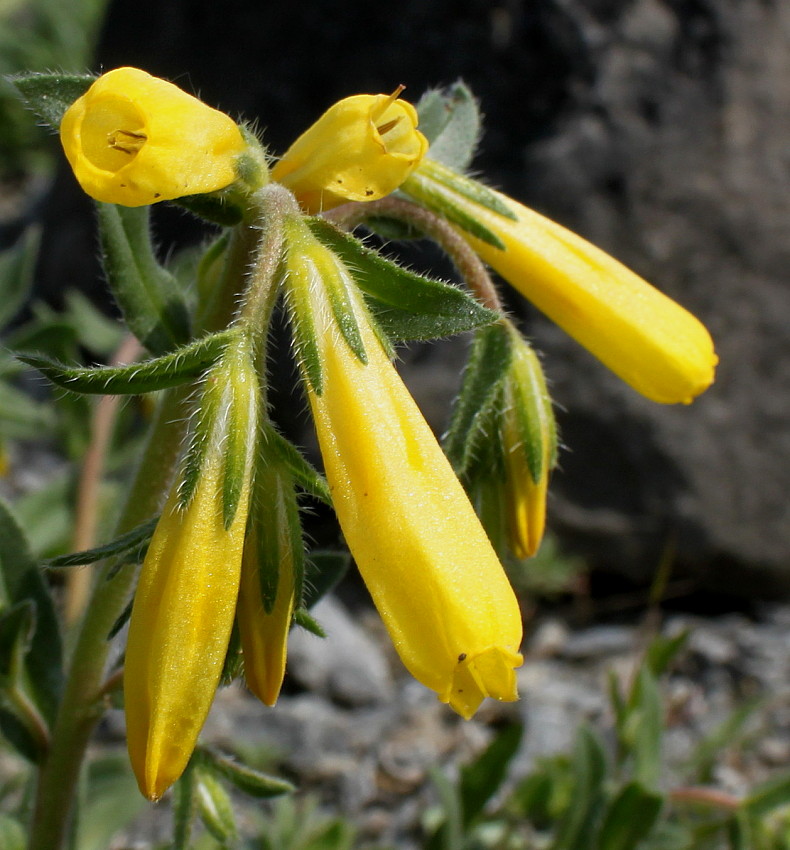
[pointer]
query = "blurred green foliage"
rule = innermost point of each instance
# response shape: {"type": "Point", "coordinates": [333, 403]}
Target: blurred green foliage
{"type": "Point", "coordinates": [38, 35]}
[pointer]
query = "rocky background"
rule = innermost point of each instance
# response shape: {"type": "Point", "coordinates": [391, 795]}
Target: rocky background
{"type": "Point", "coordinates": [656, 128]}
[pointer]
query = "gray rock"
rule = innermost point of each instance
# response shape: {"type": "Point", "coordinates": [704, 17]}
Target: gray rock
{"type": "Point", "coordinates": [347, 665]}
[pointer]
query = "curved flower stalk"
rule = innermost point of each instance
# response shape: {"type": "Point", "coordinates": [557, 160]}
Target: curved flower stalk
{"type": "Point", "coordinates": [414, 535]}
{"type": "Point", "coordinates": [360, 149]}
{"type": "Point", "coordinates": [134, 139]}
{"type": "Point", "coordinates": [186, 596]}
{"type": "Point", "coordinates": [642, 335]}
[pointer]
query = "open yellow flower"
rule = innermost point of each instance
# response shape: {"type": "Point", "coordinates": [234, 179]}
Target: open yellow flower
{"type": "Point", "coordinates": [642, 335]}
{"type": "Point", "coordinates": [134, 139]}
{"type": "Point", "coordinates": [414, 535]}
{"type": "Point", "coordinates": [360, 149]}
{"type": "Point", "coordinates": [186, 596]}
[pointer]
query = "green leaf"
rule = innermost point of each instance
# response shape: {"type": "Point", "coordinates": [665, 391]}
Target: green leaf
{"type": "Point", "coordinates": [629, 818]}
{"type": "Point", "coordinates": [589, 769]}
{"type": "Point", "coordinates": [17, 624]}
{"type": "Point", "coordinates": [406, 305]}
{"type": "Point", "coordinates": [663, 651]}
{"type": "Point", "coordinates": [21, 417]}
{"type": "Point", "coordinates": [50, 95]}
{"type": "Point", "coordinates": [20, 580]}
{"type": "Point", "coordinates": [450, 120]}
{"type": "Point", "coordinates": [449, 835]}
{"type": "Point", "coordinates": [12, 834]}
{"type": "Point", "coordinates": [308, 623]}
{"type": "Point", "coordinates": [18, 735]}
{"type": "Point", "coordinates": [135, 540]}
{"type": "Point", "coordinates": [481, 779]}
{"type": "Point", "coordinates": [252, 782]}
{"type": "Point", "coordinates": [474, 409]}
{"type": "Point", "coordinates": [215, 807]}
{"type": "Point", "coordinates": [170, 370]}
{"type": "Point", "coordinates": [767, 796]}
{"type": "Point", "coordinates": [96, 332]}
{"type": "Point", "coordinates": [645, 721]}
{"type": "Point", "coordinates": [149, 296]}
{"type": "Point", "coordinates": [304, 473]}
{"type": "Point", "coordinates": [17, 265]}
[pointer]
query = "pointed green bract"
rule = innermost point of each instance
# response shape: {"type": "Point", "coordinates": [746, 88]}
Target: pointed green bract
{"type": "Point", "coordinates": [149, 297]}
{"type": "Point", "coordinates": [171, 370]}
{"type": "Point", "coordinates": [252, 782]}
{"type": "Point", "coordinates": [136, 539]}
{"type": "Point", "coordinates": [450, 120]}
{"type": "Point", "coordinates": [480, 393]}
{"type": "Point", "coordinates": [337, 290]}
{"type": "Point", "coordinates": [406, 305]}
{"type": "Point", "coordinates": [305, 475]}
{"type": "Point", "coordinates": [50, 95]}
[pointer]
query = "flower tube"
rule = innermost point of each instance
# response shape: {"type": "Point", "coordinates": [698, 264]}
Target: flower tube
{"type": "Point", "coordinates": [642, 335]}
{"type": "Point", "coordinates": [414, 535]}
{"type": "Point", "coordinates": [134, 139]}
{"type": "Point", "coordinates": [186, 596]}
{"type": "Point", "coordinates": [360, 149]}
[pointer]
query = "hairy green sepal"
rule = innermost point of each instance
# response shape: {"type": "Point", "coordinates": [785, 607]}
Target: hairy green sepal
{"type": "Point", "coordinates": [50, 95]}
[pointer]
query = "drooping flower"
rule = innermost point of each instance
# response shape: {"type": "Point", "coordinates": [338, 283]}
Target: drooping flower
{"type": "Point", "coordinates": [134, 139]}
{"type": "Point", "coordinates": [360, 149]}
{"type": "Point", "coordinates": [186, 596]}
{"type": "Point", "coordinates": [642, 335]}
{"type": "Point", "coordinates": [414, 535]}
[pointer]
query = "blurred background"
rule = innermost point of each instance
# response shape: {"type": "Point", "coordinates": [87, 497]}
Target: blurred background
{"type": "Point", "coordinates": [655, 128]}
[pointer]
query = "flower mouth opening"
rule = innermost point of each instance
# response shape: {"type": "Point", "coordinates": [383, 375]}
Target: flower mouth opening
{"type": "Point", "coordinates": [113, 133]}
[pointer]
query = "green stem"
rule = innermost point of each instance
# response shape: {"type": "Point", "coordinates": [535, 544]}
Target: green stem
{"type": "Point", "coordinates": [84, 698]}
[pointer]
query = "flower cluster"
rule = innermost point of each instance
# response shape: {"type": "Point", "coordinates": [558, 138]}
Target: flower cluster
{"type": "Point", "coordinates": [228, 547]}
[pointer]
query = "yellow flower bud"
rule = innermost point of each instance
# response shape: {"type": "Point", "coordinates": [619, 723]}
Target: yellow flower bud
{"type": "Point", "coordinates": [414, 535]}
{"type": "Point", "coordinates": [360, 149]}
{"type": "Point", "coordinates": [529, 443]}
{"type": "Point", "coordinates": [134, 139]}
{"type": "Point", "coordinates": [642, 335]}
{"type": "Point", "coordinates": [185, 601]}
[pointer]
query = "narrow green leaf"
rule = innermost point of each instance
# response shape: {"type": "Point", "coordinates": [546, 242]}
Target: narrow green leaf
{"type": "Point", "coordinates": [17, 625]}
{"type": "Point", "coordinates": [768, 796]}
{"type": "Point", "coordinates": [663, 651]}
{"type": "Point", "coordinates": [170, 370]}
{"type": "Point", "coordinates": [17, 265]}
{"type": "Point", "coordinates": [406, 305]}
{"type": "Point", "coordinates": [215, 807]}
{"type": "Point", "coordinates": [303, 618]}
{"type": "Point", "coordinates": [471, 418]}
{"type": "Point", "coordinates": [252, 782]}
{"type": "Point", "coordinates": [629, 818]}
{"type": "Point", "coordinates": [96, 332]}
{"type": "Point", "coordinates": [589, 769]}
{"type": "Point", "coordinates": [18, 735]}
{"type": "Point", "coordinates": [149, 296]}
{"type": "Point", "coordinates": [136, 539]}
{"type": "Point", "coordinates": [304, 473]}
{"type": "Point", "coordinates": [12, 834]}
{"type": "Point", "coordinates": [481, 779]}
{"type": "Point", "coordinates": [50, 95]}
{"type": "Point", "coordinates": [21, 417]}
{"type": "Point", "coordinates": [450, 120]}
{"type": "Point", "coordinates": [449, 835]}
{"type": "Point", "coordinates": [646, 721]}
{"type": "Point", "coordinates": [21, 579]}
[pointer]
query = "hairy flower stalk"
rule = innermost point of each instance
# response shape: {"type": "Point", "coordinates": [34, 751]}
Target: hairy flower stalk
{"type": "Point", "coordinates": [419, 546]}
{"type": "Point", "coordinates": [186, 596]}
{"type": "Point", "coordinates": [361, 149]}
{"type": "Point", "coordinates": [643, 336]}
{"type": "Point", "coordinates": [134, 139]}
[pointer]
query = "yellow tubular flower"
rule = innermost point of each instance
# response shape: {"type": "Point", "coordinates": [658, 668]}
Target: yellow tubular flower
{"type": "Point", "coordinates": [134, 139]}
{"type": "Point", "coordinates": [186, 597]}
{"type": "Point", "coordinates": [642, 335]}
{"type": "Point", "coordinates": [414, 535]}
{"type": "Point", "coordinates": [360, 149]}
